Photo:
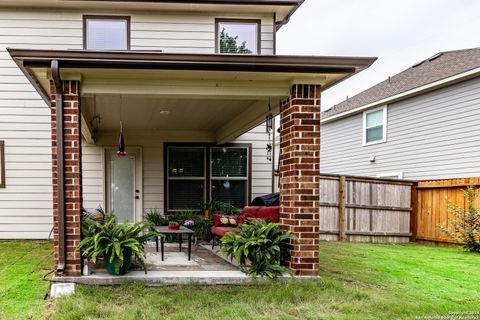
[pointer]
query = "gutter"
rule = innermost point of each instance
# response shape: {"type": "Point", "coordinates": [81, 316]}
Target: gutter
{"type": "Point", "coordinates": [60, 167]}
{"type": "Point", "coordinates": [407, 94]}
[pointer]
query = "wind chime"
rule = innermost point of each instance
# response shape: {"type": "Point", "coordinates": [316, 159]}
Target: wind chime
{"type": "Point", "coordinates": [269, 129]}
{"type": "Point", "coordinates": [121, 141]}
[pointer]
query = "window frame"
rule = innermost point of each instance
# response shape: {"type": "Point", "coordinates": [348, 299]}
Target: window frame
{"type": "Point", "coordinates": [258, 22]}
{"type": "Point", "coordinates": [2, 164]}
{"type": "Point", "coordinates": [105, 18]}
{"type": "Point", "coordinates": [208, 180]}
{"type": "Point", "coordinates": [384, 125]}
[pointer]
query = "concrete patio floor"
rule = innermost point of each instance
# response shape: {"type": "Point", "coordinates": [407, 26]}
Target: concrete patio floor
{"type": "Point", "coordinates": [205, 267]}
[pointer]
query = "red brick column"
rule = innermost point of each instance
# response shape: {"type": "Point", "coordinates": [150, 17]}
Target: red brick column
{"type": "Point", "coordinates": [72, 174]}
{"type": "Point", "coordinates": [300, 176]}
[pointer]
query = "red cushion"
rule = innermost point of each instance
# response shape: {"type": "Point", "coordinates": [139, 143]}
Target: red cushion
{"type": "Point", "coordinates": [222, 220]}
{"type": "Point", "coordinates": [271, 214]}
{"type": "Point", "coordinates": [220, 231]}
{"type": "Point", "coordinates": [248, 214]}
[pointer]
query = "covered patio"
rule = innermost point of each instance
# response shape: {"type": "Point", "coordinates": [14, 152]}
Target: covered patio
{"type": "Point", "coordinates": [190, 99]}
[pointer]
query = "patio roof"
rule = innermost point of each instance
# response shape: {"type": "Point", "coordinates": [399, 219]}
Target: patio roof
{"type": "Point", "coordinates": [237, 88]}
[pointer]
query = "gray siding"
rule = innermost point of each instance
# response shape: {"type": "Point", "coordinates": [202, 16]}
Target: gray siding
{"type": "Point", "coordinates": [430, 136]}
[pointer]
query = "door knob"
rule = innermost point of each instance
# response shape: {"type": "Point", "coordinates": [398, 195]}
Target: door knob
{"type": "Point", "coordinates": [137, 197]}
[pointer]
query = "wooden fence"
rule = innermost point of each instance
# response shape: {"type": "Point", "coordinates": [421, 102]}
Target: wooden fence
{"type": "Point", "coordinates": [431, 202]}
{"type": "Point", "coordinates": [365, 209]}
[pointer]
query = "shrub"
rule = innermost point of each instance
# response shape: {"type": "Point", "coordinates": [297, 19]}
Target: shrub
{"type": "Point", "coordinates": [156, 218]}
{"type": "Point", "coordinates": [466, 224]}
{"type": "Point", "coordinates": [257, 248]}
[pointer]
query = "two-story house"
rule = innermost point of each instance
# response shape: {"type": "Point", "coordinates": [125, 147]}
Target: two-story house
{"type": "Point", "coordinates": [420, 124]}
{"type": "Point", "coordinates": [187, 84]}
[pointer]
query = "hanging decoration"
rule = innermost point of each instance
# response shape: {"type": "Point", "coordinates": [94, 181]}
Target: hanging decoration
{"type": "Point", "coordinates": [269, 129]}
{"type": "Point", "coordinates": [121, 141]}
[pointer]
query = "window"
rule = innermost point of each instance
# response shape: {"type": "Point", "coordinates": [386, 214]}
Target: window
{"type": "Point", "coordinates": [375, 126]}
{"type": "Point", "coordinates": [189, 184]}
{"type": "Point", "coordinates": [237, 36]}
{"type": "Point", "coordinates": [391, 175]}
{"type": "Point", "coordinates": [2, 164]}
{"type": "Point", "coordinates": [229, 175]}
{"type": "Point", "coordinates": [106, 33]}
{"type": "Point", "coordinates": [186, 177]}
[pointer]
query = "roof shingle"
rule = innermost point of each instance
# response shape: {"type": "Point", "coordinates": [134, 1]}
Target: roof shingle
{"type": "Point", "coordinates": [440, 66]}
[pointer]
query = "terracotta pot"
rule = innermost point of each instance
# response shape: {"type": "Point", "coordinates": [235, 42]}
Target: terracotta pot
{"type": "Point", "coordinates": [173, 227]}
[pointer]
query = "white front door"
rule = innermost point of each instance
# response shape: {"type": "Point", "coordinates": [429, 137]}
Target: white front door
{"type": "Point", "coordinates": [123, 177]}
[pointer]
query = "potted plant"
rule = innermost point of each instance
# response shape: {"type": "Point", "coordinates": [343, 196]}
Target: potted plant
{"type": "Point", "coordinates": [115, 242]}
{"type": "Point", "coordinates": [156, 218]}
{"type": "Point", "coordinates": [173, 225]}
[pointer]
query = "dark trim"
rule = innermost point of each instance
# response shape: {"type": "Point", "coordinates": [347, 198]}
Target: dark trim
{"type": "Point", "coordinates": [207, 147]}
{"type": "Point", "coordinates": [2, 164]}
{"type": "Point", "coordinates": [60, 167]}
{"type": "Point", "coordinates": [171, 61]}
{"type": "Point", "coordinates": [258, 22]}
{"type": "Point", "coordinates": [104, 17]}
{"type": "Point", "coordinates": [274, 32]}
{"type": "Point", "coordinates": [289, 15]}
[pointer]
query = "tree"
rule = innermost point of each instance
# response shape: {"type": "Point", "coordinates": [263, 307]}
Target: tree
{"type": "Point", "coordinates": [228, 44]}
{"type": "Point", "coordinates": [466, 225]}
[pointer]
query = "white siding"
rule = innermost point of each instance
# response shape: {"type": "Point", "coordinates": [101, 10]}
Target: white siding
{"type": "Point", "coordinates": [26, 202]}
{"type": "Point", "coordinates": [153, 168]}
{"type": "Point", "coordinates": [431, 136]}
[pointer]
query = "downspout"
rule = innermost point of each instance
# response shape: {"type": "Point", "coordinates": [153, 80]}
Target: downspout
{"type": "Point", "coordinates": [60, 167]}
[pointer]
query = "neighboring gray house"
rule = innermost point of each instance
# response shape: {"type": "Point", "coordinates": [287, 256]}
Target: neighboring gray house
{"type": "Point", "coordinates": [423, 123]}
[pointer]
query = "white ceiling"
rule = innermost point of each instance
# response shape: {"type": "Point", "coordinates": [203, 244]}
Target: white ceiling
{"type": "Point", "coordinates": [143, 113]}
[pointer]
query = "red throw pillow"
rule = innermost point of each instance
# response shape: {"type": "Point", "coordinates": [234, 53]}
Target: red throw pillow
{"type": "Point", "coordinates": [222, 220]}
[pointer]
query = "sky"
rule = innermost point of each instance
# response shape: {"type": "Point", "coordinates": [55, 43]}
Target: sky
{"type": "Point", "coordinates": [399, 32]}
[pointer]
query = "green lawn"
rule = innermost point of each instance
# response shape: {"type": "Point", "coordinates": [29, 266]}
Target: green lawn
{"type": "Point", "coordinates": [22, 267]}
{"type": "Point", "coordinates": [358, 281]}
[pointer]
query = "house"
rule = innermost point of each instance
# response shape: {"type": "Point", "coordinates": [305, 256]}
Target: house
{"type": "Point", "coordinates": [188, 83]}
{"type": "Point", "coordinates": [420, 124]}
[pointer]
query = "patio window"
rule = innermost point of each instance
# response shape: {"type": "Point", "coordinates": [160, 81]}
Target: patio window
{"type": "Point", "coordinates": [106, 33]}
{"type": "Point", "coordinates": [197, 174]}
{"type": "Point", "coordinates": [229, 175]}
{"type": "Point", "coordinates": [186, 177]}
{"type": "Point", "coordinates": [375, 126]}
{"type": "Point", "coordinates": [237, 36]}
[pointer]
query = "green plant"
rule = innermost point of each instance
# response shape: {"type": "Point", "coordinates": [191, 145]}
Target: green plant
{"type": "Point", "coordinates": [257, 247]}
{"type": "Point", "coordinates": [156, 218]}
{"type": "Point", "coordinates": [202, 227]}
{"type": "Point", "coordinates": [218, 207]}
{"type": "Point", "coordinates": [112, 240]}
{"type": "Point", "coordinates": [466, 224]}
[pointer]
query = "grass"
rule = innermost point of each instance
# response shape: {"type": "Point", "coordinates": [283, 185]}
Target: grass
{"type": "Point", "coordinates": [22, 267]}
{"type": "Point", "coordinates": [358, 281]}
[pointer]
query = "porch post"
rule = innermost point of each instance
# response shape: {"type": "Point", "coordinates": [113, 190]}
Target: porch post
{"type": "Point", "coordinates": [72, 179]}
{"type": "Point", "coordinates": [300, 176]}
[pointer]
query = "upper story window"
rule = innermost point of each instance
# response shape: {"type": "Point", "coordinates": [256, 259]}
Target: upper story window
{"type": "Point", "coordinates": [106, 33]}
{"type": "Point", "coordinates": [237, 36]}
{"type": "Point", "coordinates": [375, 126]}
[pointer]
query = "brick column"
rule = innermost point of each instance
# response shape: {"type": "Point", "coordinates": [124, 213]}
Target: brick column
{"type": "Point", "coordinates": [72, 174]}
{"type": "Point", "coordinates": [300, 176]}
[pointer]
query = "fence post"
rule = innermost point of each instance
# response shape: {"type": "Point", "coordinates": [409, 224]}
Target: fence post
{"type": "Point", "coordinates": [414, 213]}
{"type": "Point", "coordinates": [342, 185]}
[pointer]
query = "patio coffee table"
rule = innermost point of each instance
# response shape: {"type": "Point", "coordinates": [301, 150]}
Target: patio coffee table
{"type": "Point", "coordinates": [179, 232]}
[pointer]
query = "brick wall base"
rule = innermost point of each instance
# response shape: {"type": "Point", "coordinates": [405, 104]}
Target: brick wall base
{"type": "Point", "coordinates": [300, 176]}
{"type": "Point", "coordinates": [72, 174]}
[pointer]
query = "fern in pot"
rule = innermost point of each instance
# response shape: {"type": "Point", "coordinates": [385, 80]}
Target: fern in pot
{"type": "Point", "coordinates": [115, 242]}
